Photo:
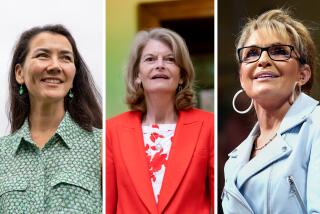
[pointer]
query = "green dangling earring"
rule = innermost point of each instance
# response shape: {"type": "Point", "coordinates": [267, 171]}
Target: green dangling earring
{"type": "Point", "coordinates": [70, 94]}
{"type": "Point", "coordinates": [21, 90]}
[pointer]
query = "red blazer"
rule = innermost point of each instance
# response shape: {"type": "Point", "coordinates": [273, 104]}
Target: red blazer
{"type": "Point", "coordinates": [188, 181]}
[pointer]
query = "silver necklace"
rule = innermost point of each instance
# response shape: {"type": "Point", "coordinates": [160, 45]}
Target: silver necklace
{"type": "Point", "coordinates": [269, 141]}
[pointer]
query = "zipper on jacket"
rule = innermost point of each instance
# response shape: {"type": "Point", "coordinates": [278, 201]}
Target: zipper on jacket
{"type": "Point", "coordinates": [268, 191]}
{"type": "Point", "coordinates": [293, 189]}
{"type": "Point", "coordinates": [226, 193]}
{"type": "Point", "coordinates": [223, 194]}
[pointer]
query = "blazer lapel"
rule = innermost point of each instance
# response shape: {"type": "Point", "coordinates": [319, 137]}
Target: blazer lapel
{"type": "Point", "coordinates": [184, 143]}
{"type": "Point", "coordinates": [133, 154]}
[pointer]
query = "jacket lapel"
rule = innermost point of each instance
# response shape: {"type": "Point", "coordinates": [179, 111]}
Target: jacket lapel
{"type": "Point", "coordinates": [298, 112]}
{"type": "Point", "coordinates": [276, 150]}
{"type": "Point", "coordinates": [184, 143]}
{"type": "Point", "coordinates": [133, 154]}
{"type": "Point", "coordinates": [242, 168]}
{"type": "Point", "coordinates": [238, 158]}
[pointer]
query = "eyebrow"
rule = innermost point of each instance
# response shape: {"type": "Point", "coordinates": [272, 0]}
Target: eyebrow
{"type": "Point", "coordinates": [269, 45]}
{"type": "Point", "coordinates": [150, 54]}
{"type": "Point", "coordinates": [48, 51]}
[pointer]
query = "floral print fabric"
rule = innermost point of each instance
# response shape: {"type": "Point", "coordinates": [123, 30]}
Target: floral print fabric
{"type": "Point", "coordinates": [157, 142]}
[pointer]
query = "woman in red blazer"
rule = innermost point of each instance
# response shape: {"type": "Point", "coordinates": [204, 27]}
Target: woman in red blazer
{"type": "Point", "coordinates": [160, 154]}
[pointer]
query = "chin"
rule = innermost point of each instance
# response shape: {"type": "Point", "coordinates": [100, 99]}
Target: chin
{"type": "Point", "coordinates": [269, 94]}
{"type": "Point", "coordinates": [262, 89]}
{"type": "Point", "coordinates": [54, 97]}
{"type": "Point", "coordinates": [159, 88]}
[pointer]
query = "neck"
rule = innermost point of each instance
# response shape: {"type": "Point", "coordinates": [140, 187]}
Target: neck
{"type": "Point", "coordinates": [270, 117]}
{"type": "Point", "coordinates": [160, 109]}
{"type": "Point", "coordinates": [44, 120]}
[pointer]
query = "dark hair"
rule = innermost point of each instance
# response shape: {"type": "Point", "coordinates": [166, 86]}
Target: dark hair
{"type": "Point", "coordinates": [84, 107]}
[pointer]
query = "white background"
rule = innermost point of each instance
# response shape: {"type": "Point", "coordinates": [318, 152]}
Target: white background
{"type": "Point", "coordinates": [83, 18]}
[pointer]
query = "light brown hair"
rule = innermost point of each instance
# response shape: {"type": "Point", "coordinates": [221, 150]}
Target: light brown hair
{"type": "Point", "coordinates": [279, 21]}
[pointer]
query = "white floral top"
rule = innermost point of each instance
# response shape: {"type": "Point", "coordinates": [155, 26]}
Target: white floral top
{"type": "Point", "coordinates": [157, 141]}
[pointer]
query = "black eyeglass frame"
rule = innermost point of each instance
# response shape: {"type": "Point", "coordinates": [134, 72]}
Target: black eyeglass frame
{"type": "Point", "coordinates": [300, 59]}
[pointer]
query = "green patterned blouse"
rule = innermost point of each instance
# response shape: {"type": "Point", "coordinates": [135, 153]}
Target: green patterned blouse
{"type": "Point", "coordinates": [63, 177]}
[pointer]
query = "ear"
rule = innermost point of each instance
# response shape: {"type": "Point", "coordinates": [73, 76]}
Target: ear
{"type": "Point", "coordinates": [180, 81]}
{"type": "Point", "coordinates": [138, 80]}
{"type": "Point", "coordinates": [139, 76]}
{"type": "Point", "coordinates": [19, 74]}
{"type": "Point", "coordinates": [304, 74]}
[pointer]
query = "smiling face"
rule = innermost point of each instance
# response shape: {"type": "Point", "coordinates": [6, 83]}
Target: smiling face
{"type": "Point", "coordinates": [266, 79]}
{"type": "Point", "coordinates": [48, 70]}
{"type": "Point", "coordinates": [158, 71]}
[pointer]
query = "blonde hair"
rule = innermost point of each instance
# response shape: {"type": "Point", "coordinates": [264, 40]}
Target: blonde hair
{"type": "Point", "coordinates": [135, 95]}
{"type": "Point", "coordinates": [279, 21]}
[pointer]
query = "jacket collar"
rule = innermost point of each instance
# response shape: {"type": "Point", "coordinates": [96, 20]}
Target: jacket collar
{"type": "Point", "coordinates": [298, 112]}
{"type": "Point", "coordinates": [184, 142]}
{"type": "Point", "coordinates": [276, 150]}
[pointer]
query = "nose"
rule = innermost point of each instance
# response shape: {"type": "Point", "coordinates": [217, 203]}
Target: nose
{"type": "Point", "coordinates": [54, 65]}
{"type": "Point", "coordinates": [160, 64]}
{"type": "Point", "coordinates": [264, 59]}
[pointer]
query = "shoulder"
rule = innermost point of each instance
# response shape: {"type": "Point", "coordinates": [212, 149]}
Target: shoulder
{"type": "Point", "coordinates": [73, 134]}
{"type": "Point", "coordinates": [97, 134]}
{"type": "Point", "coordinates": [315, 115]}
{"type": "Point", "coordinates": [314, 124]}
{"type": "Point", "coordinates": [8, 143]}
{"type": "Point", "coordinates": [195, 113]}
{"type": "Point", "coordinates": [5, 140]}
{"type": "Point", "coordinates": [91, 136]}
{"type": "Point", "coordinates": [124, 117]}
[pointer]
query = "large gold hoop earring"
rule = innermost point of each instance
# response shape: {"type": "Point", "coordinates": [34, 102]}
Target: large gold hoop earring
{"type": "Point", "coordinates": [234, 105]}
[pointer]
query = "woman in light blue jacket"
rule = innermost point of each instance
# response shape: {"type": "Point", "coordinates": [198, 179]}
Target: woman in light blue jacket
{"type": "Point", "coordinates": [277, 168]}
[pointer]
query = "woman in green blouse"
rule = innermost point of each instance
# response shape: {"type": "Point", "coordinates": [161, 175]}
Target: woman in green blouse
{"type": "Point", "coordinates": [51, 161]}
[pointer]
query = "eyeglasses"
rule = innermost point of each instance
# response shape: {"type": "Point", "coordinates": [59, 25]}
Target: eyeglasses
{"type": "Point", "coordinates": [276, 52]}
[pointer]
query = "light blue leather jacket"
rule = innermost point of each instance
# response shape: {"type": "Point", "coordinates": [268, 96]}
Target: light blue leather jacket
{"type": "Point", "coordinates": [285, 176]}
